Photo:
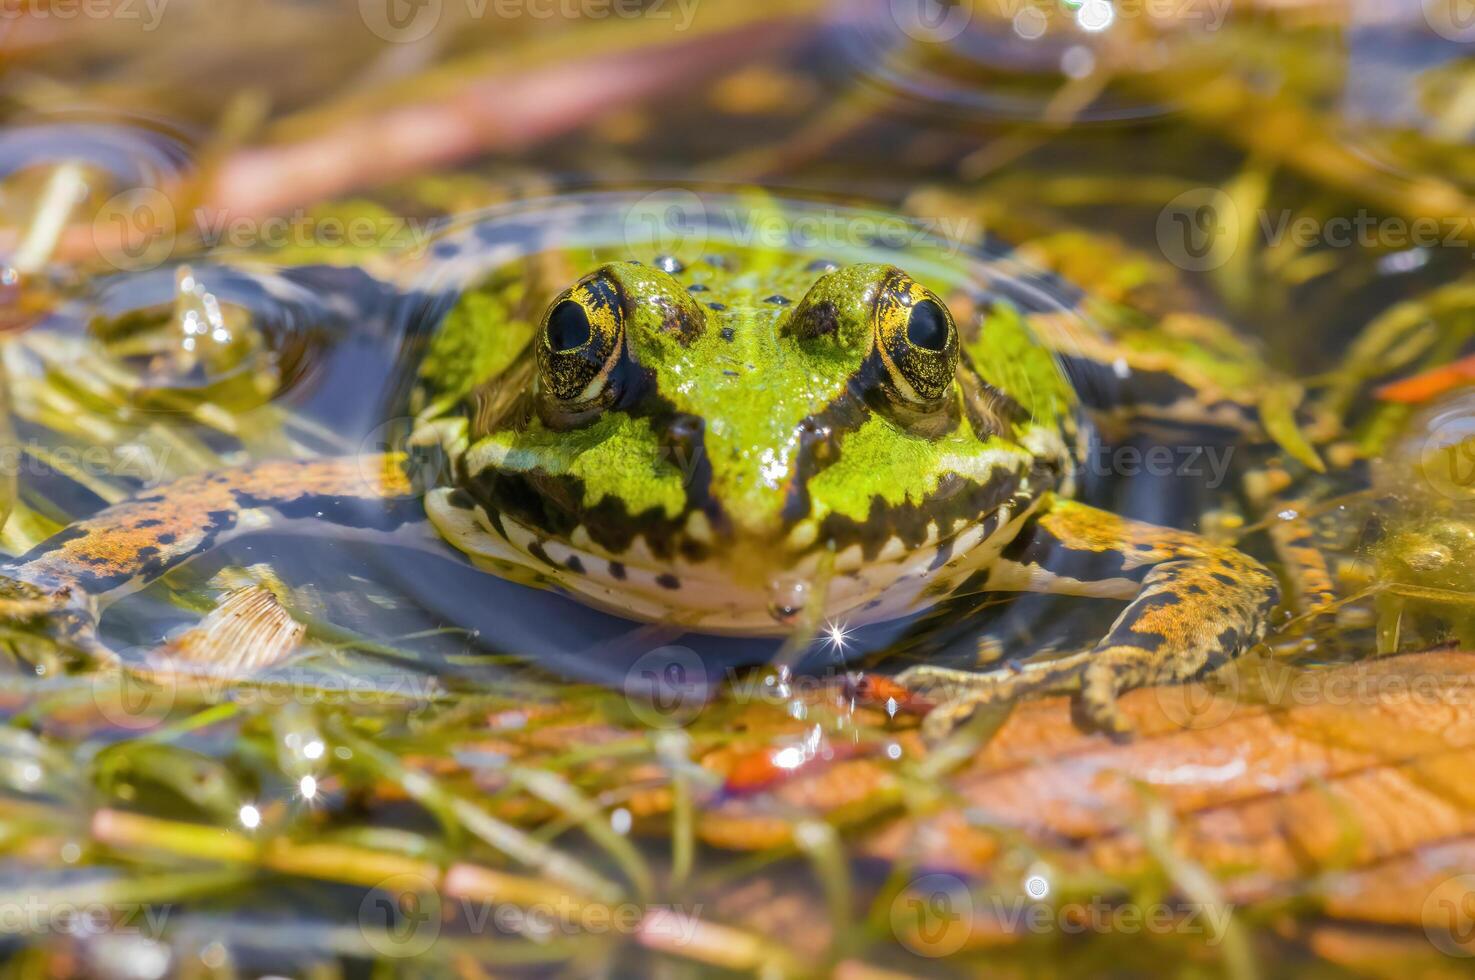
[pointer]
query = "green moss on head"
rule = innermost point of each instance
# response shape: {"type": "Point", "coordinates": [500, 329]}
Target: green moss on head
{"type": "Point", "coordinates": [774, 356]}
{"type": "Point", "coordinates": [616, 456]}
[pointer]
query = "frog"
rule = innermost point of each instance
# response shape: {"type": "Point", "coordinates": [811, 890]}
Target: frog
{"type": "Point", "coordinates": [731, 436]}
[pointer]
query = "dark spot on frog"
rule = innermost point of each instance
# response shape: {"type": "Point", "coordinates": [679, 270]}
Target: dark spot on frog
{"type": "Point", "coordinates": [677, 321]}
{"type": "Point", "coordinates": [728, 333]}
{"type": "Point", "coordinates": [778, 300]}
{"type": "Point", "coordinates": [535, 549]}
{"type": "Point", "coordinates": [697, 287]}
{"type": "Point", "coordinates": [150, 522]}
{"type": "Point", "coordinates": [617, 570]}
{"type": "Point", "coordinates": [574, 565]}
{"type": "Point", "coordinates": [668, 581]}
{"type": "Point", "coordinates": [683, 437]}
{"type": "Point", "coordinates": [168, 538]}
{"type": "Point", "coordinates": [819, 320]}
{"type": "Point", "coordinates": [1220, 576]}
{"type": "Point", "coordinates": [670, 265]}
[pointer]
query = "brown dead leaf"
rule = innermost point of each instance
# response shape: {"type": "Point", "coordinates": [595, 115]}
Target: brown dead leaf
{"type": "Point", "coordinates": [1349, 788]}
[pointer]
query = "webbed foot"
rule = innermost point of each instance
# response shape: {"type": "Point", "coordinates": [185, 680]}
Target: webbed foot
{"type": "Point", "coordinates": [62, 615]}
{"type": "Point", "coordinates": [1193, 605]}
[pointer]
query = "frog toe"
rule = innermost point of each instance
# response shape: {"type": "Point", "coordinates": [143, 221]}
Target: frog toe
{"type": "Point", "coordinates": [62, 615]}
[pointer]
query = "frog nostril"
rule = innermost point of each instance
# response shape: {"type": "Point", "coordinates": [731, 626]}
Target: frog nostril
{"type": "Point", "coordinates": [927, 326]}
{"type": "Point", "coordinates": [818, 442]}
{"type": "Point", "coordinates": [684, 435]}
{"type": "Point", "coordinates": [568, 327]}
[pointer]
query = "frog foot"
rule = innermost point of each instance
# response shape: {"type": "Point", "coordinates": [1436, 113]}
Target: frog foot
{"type": "Point", "coordinates": [958, 694]}
{"type": "Point", "coordinates": [1192, 606]}
{"type": "Point", "coordinates": [63, 615]}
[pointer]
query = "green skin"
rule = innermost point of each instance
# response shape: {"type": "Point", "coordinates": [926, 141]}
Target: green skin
{"type": "Point", "coordinates": [749, 435]}
{"type": "Point", "coordinates": [745, 442]}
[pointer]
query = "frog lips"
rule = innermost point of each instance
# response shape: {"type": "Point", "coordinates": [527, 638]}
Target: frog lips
{"type": "Point", "coordinates": [710, 587]}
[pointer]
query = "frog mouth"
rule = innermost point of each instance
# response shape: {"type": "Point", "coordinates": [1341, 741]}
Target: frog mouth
{"type": "Point", "coordinates": [702, 590]}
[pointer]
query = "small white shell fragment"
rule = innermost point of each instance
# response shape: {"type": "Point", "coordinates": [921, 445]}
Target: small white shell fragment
{"type": "Point", "coordinates": [249, 631]}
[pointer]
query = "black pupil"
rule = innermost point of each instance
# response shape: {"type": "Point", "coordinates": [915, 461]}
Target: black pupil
{"type": "Point", "coordinates": [927, 328]}
{"type": "Point", "coordinates": [568, 326]}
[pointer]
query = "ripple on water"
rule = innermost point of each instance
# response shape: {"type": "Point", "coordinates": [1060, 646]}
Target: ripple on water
{"type": "Point", "coordinates": [191, 333]}
{"type": "Point", "coordinates": [79, 188]}
{"type": "Point", "coordinates": [1015, 62]}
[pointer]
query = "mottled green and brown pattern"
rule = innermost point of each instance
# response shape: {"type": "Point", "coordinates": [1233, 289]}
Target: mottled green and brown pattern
{"type": "Point", "coordinates": [723, 440]}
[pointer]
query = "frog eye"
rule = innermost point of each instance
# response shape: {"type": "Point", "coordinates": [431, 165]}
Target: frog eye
{"type": "Point", "coordinates": [916, 339]}
{"type": "Point", "coordinates": [581, 338]}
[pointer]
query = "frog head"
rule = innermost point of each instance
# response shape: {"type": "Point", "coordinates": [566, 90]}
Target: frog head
{"type": "Point", "coordinates": [718, 444]}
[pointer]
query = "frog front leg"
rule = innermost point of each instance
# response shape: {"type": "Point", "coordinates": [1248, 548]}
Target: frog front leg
{"type": "Point", "coordinates": [60, 584]}
{"type": "Point", "coordinates": [1192, 606]}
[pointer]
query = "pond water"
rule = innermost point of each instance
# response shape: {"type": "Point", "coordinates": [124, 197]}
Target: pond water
{"type": "Point", "coordinates": [298, 732]}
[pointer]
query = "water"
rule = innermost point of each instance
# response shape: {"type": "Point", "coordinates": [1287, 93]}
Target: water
{"type": "Point", "coordinates": [222, 246]}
